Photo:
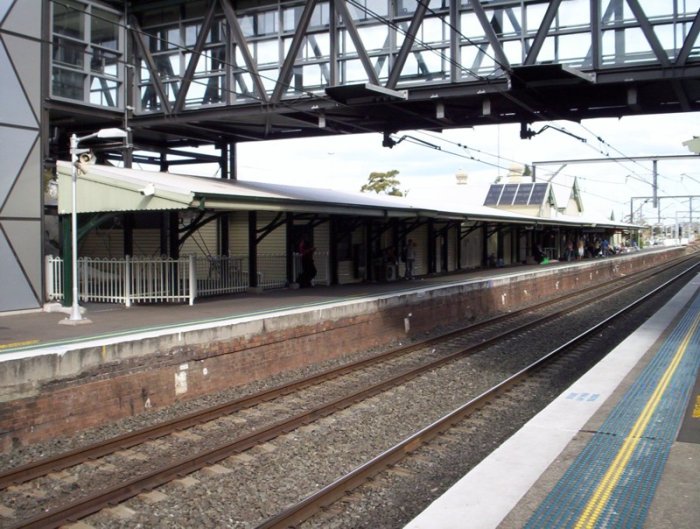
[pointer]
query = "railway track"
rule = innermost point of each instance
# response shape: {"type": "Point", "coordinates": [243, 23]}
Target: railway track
{"type": "Point", "coordinates": [294, 515]}
{"type": "Point", "coordinates": [58, 510]}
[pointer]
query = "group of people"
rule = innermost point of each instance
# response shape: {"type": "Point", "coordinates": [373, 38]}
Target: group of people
{"type": "Point", "coordinates": [308, 267]}
{"type": "Point", "coordinates": [408, 257]}
{"type": "Point", "coordinates": [593, 247]}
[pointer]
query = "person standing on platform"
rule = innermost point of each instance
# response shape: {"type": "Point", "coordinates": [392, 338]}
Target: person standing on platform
{"type": "Point", "coordinates": [308, 267]}
{"type": "Point", "coordinates": [410, 258]}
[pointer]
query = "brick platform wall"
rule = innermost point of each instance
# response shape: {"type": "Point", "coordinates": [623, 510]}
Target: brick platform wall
{"type": "Point", "coordinates": [94, 386]}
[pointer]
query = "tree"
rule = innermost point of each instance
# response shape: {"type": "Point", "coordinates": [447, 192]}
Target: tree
{"type": "Point", "coordinates": [386, 183]}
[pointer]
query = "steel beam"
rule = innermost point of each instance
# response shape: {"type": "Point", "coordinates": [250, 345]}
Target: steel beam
{"type": "Point", "coordinates": [288, 64]}
{"type": "Point", "coordinates": [240, 40]}
{"type": "Point", "coordinates": [194, 58]}
{"type": "Point", "coordinates": [409, 39]}
{"type": "Point", "coordinates": [138, 35]}
{"type": "Point", "coordinates": [501, 58]}
{"type": "Point", "coordinates": [342, 9]}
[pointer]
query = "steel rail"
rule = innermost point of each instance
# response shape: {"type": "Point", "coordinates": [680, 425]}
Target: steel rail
{"type": "Point", "coordinates": [121, 492]}
{"type": "Point", "coordinates": [294, 515]}
{"type": "Point", "coordinates": [35, 469]}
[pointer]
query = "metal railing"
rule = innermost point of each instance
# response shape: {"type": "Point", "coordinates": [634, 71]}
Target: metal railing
{"type": "Point", "coordinates": [149, 280]}
{"type": "Point", "coordinates": [160, 279]}
{"type": "Point", "coordinates": [217, 275]}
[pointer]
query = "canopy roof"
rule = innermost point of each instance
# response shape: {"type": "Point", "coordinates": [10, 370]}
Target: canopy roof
{"type": "Point", "coordinates": [102, 188]}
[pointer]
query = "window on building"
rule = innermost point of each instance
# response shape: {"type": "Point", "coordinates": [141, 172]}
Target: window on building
{"type": "Point", "coordinates": [87, 53]}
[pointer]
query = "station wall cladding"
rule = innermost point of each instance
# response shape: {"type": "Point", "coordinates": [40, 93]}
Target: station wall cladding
{"type": "Point", "coordinates": [49, 396]}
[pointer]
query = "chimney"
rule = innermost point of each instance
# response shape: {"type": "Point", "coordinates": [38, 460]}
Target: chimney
{"type": "Point", "coordinates": [461, 177]}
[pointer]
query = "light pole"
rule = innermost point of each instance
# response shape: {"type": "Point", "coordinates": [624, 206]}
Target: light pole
{"type": "Point", "coordinates": [75, 316]}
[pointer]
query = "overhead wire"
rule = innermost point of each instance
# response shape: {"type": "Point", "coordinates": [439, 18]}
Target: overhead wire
{"type": "Point", "coordinates": [426, 3]}
{"type": "Point", "coordinates": [423, 144]}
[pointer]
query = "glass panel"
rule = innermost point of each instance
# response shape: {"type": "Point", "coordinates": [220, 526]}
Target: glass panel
{"type": "Point", "coordinates": [168, 65]}
{"type": "Point", "coordinates": [406, 7]}
{"type": "Point", "coordinates": [68, 52]}
{"type": "Point", "coordinates": [514, 52]}
{"type": "Point", "coordinates": [172, 89]}
{"type": "Point", "coordinates": [266, 23]}
{"type": "Point", "coordinates": [665, 35]}
{"type": "Point", "coordinates": [164, 39]}
{"type": "Point", "coordinates": [410, 69]}
{"type": "Point", "coordinates": [313, 75]}
{"type": "Point", "coordinates": [267, 52]}
{"type": "Point", "coordinates": [353, 71]}
{"type": "Point", "coordinates": [214, 92]}
{"type": "Point", "coordinates": [104, 29]}
{"type": "Point", "coordinates": [470, 26]}
{"type": "Point", "coordinates": [290, 17]}
{"type": "Point", "coordinates": [534, 15]}
{"type": "Point", "coordinates": [320, 18]}
{"type": "Point", "coordinates": [317, 46]}
{"type": "Point", "coordinates": [547, 52]}
{"type": "Point", "coordinates": [103, 91]}
{"type": "Point", "coordinates": [149, 99]}
{"type": "Point", "coordinates": [104, 62]}
{"type": "Point", "coordinates": [211, 60]}
{"type": "Point", "coordinates": [572, 49]}
{"type": "Point", "coordinates": [68, 19]}
{"type": "Point", "coordinates": [368, 9]}
{"type": "Point", "coordinates": [683, 32]}
{"type": "Point", "coordinates": [574, 13]}
{"type": "Point", "coordinates": [375, 38]}
{"type": "Point", "coordinates": [512, 21]}
{"type": "Point", "coordinates": [468, 63]}
{"type": "Point", "coordinates": [144, 72]}
{"type": "Point", "coordinates": [625, 46]}
{"type": "Point", "coordinates": [243, 85]}
{"type": "Point", "coordinates": [689, 7]}
{"type": "Point", "coordinates": [205, 91]}
{"type": "Point", "coordinates": [269, 79]}
{"type": "Point", "coordinates": [433, 30]}
{"type": "Point", "coordinates": [191, 32]}
{"type": "Point", "coordinates": [66, 83]}
{"type": "Point", "coordinates": [247, 25]}
{"type": "Point", "coordinates": [347, 46]}
{"type": "Point", "coordinates": [656, 9]}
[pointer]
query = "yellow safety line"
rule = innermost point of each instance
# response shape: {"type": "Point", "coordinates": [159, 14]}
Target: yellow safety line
{"type": "Point", "coordinates": [18, 344]}
{"type": "Point", "coordinates": [595, 506]}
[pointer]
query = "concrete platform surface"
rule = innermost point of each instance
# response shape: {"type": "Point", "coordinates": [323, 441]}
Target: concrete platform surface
{"type": "Point", "coordinates": [509, 487]}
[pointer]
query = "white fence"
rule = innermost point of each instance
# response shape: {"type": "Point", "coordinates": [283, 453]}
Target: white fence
{"type": "Point", "coordinates": [156, 280]}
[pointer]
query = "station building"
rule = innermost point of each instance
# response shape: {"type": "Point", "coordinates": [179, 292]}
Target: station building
{"type": "Point", "coordinates": [357, 237]}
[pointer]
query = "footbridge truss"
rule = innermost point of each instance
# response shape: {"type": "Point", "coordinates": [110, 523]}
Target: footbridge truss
{"type": "Point", "coordinates": [225, 71]}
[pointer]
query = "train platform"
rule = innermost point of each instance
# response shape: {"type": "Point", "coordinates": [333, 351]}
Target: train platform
{"type": "Point", "coordinates": [619, 449]}
{"type": "Point", "coordinates": [41, 331]}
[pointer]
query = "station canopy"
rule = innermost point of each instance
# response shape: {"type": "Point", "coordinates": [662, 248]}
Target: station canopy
{"type": "Point", "coordinates": [103, 188]}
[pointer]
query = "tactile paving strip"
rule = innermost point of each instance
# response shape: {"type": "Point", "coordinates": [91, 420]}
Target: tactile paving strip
{"type": "Point", "coordinates": [613, 480]}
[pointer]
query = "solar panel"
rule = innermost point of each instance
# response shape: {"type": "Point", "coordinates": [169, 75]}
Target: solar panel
{"type": "Point", "coordinates": [508, 195]}
{"type": "Point", "coordinates": [538, 194]}
{"type": "Point", "coordinates": [522, 197]}
{"type": "Point", "coordinates": [493, 195]}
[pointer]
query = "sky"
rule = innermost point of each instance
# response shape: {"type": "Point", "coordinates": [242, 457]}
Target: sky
{"type": "Point", "coordinates": [485, 152]}
{"type": "Point", "coordinates": [428, 161]}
